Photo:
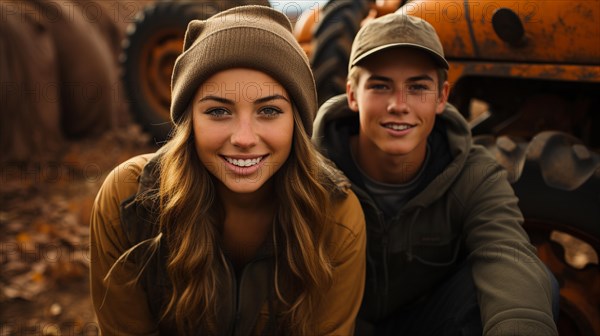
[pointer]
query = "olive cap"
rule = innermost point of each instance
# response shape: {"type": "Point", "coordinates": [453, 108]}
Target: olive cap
{"type": "Point", "coordinates": [396, 30]}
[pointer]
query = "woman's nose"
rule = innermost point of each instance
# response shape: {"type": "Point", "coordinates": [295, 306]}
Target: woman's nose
{"type": "Point", "coordinates": [244, 135]}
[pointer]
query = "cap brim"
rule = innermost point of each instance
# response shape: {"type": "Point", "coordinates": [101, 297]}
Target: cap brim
{"type": "Point", "coordinates": [439, 58]}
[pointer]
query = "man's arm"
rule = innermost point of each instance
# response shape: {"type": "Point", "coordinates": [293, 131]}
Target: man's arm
{"type": "Point", "coordinates": [514, 290]}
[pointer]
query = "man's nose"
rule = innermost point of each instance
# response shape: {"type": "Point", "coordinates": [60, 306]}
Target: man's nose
{"type": "Point", "coordinates": [398, 103]}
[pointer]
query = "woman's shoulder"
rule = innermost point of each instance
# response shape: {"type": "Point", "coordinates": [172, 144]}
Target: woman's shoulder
{"type": "Point", "coordinates": [123, 180]}
{"type": "Point", "coordinates": [348, 235]}
{"type": "Point", "coordinates": [333, 179]}
{"type": "Point", "coordinates": [348, 216]}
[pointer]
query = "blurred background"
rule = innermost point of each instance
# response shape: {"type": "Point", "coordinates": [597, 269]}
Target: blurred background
{"type": "Point", "coordinates": [85, 85]}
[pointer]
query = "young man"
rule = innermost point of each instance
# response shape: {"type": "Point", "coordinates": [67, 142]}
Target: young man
{"type": "Point", "coordinates": [446, 251]}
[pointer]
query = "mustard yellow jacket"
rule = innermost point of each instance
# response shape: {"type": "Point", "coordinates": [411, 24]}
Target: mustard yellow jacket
{"type": "Point", "coordinates": [124, 307]}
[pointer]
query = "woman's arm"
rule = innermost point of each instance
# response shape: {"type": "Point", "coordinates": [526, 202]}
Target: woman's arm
{"type": "Point", "coordinates": [120, 303]}
{"type": "Point", "coordinates": [341, 303]}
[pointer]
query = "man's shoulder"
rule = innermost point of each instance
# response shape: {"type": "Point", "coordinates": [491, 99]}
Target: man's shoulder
{"type": "Point", "coordinates": [480, 162]}
{"type": "Point", "coordinates": [480, 171]}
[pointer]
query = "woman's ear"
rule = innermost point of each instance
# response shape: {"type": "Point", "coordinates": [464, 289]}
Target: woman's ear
{"type": "Point", "coordinates": [443, 98]}
{"type": "Point", "coordinates": [351, 97]}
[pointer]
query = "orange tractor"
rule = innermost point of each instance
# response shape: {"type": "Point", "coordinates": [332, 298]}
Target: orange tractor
{"type": "Point", "coordinates": [526, 74]}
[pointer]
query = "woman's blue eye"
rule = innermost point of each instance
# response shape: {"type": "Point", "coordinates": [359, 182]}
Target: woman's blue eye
{"type": "Point", "coordinates": [270, 112]}
{"type": "Point", "coordinates": [217, 112]}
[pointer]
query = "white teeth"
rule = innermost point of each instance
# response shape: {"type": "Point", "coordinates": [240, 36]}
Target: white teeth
{"type": "Point", "coordinates": [243, 163]}
{"type": "Point", "coordinates": [397, 127]}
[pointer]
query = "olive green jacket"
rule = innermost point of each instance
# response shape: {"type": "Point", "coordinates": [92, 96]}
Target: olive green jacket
{"type": "Point", "coordinates": [464, 210]}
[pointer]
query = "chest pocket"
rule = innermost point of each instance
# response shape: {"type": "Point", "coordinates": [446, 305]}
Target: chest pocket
{"type": "Point", "coordinates": [435, 249]}
{"type": "Point", "coordinates": [431, 237]}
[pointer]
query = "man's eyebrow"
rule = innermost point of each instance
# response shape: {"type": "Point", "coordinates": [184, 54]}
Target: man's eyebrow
{"type": "Point", "coordinates": [420, 77]}
{"type": "Point", "coordinates": [410, 79]}
{"type": "Point", "coordinates": [379, 78]}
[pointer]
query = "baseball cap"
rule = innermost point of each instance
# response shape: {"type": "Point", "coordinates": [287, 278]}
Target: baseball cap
{"type": "Point", "coordinates": [396, 30]}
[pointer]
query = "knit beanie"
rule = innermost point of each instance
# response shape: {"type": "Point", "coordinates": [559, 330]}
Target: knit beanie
{"type": "Point", "coordinates": [255, 37]}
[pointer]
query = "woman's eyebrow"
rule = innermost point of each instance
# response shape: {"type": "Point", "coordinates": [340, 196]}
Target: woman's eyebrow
{"type": "Point", "coordinates": [221, 100]}
{"type": "Point", "coordinates": [269, 98]}
{"type": "Point", "coordinates": [261, 100]}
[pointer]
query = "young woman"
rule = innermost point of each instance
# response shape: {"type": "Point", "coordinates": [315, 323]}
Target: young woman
{"type": "Point", "coordinates": [236, 226]}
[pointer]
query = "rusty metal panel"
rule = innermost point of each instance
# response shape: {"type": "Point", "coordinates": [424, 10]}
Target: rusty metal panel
{"type": "Point", "coordinates": [562, 72]}
{"type": "Point", "coordinates": [555, 31]}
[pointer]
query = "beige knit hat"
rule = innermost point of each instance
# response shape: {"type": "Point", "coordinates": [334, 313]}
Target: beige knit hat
{"type": "Point", "coordinates": [255, 37]}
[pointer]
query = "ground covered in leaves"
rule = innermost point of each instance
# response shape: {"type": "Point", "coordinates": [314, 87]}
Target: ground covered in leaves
{"type": "Point", "coordinates": [44, 238]}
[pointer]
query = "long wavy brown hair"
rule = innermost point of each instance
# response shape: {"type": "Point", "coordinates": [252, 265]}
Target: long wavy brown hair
{"type": "Point", "coordinates": [191, 217]}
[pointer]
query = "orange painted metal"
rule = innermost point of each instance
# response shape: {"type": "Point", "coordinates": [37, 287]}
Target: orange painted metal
{"type": "Point", "coordinates": [566, 72]}
{"type": "Point", "coordinates": [386, 6]}
{"type": "Point", "coordinates": [565, 32]}
{"type": "Point", "coordinates": [303, 29]}
{"type": "Point", "coordinates": [561, 38]}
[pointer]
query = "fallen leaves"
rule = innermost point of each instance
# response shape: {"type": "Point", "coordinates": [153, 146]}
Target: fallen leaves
{"type": "Point", "coordinates": [44, 235]}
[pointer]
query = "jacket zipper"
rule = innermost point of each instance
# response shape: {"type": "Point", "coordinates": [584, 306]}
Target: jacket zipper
{"type": "Point", "coordinates": [237, 317]}
{"type": "Point", "coordinates": [384, 246]}
{"type": "Point", "coordinates": [234, 298]}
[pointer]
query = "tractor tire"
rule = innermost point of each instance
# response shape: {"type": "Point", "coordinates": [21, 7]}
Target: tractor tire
{"type": "Point", "coordinates": [557, 181]}
{"type": "Point", "coordinates": [333, 37]}
{"type": "Point", "coordinates": [146, 75]}
{"type": "Point", "coordinates": [153, 43]}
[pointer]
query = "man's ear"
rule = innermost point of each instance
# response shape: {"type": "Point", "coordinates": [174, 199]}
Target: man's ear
{"type": "Point", "coordinates": [443, 98]}
{"type": "Point", "coordinates": [351, 96]}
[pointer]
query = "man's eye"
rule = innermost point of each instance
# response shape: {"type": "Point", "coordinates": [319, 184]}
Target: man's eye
{"type": "Point", "coordinates": [378, 86]}
{"type": "Point", "coordinates": [270, 112]}
{"type": "Point", "coordinates": [217, 112]}
{"type": "Point", "coordinates": [418, 87]}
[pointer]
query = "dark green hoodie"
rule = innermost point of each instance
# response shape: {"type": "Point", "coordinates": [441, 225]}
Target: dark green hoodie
{"type": "Point", "coordinates": [463, 210]}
